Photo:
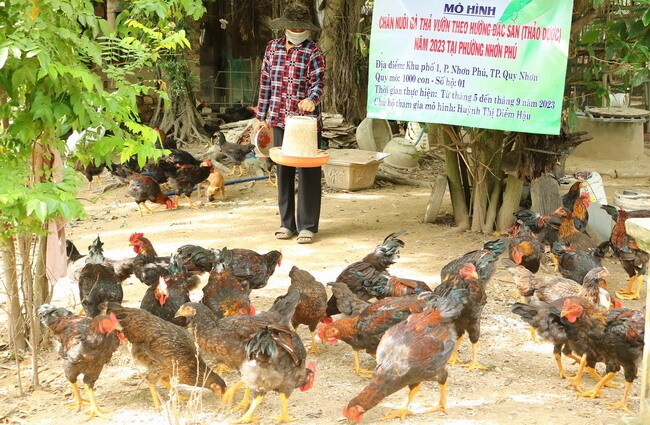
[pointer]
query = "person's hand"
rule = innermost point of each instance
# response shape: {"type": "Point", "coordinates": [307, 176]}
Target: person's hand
{"type": "Point", "coordinates": [259, 125]}
{"type": "Point", "coordinates": [307, 105]}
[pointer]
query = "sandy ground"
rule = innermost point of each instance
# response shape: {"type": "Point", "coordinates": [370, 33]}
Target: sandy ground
{"type": "Point", "coordinates": [521, 386]}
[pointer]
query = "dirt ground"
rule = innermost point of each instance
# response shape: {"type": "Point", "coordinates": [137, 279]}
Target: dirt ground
{"type": "Point", "coordinates": [521, 386]}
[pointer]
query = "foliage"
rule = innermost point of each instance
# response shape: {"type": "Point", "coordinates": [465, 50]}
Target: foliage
{"type": "Point", "coordinates": [51, 57]}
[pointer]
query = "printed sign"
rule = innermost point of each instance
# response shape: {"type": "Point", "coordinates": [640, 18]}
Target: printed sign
{"type": "Point", "coordinates": [494, 64]}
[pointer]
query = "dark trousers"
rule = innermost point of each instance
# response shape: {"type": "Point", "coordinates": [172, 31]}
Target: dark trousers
{"type": "Point", "coordinates": [309, 193]}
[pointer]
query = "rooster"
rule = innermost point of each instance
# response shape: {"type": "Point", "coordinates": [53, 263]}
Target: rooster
{"type": "Point", "coordinates": [144, 188]}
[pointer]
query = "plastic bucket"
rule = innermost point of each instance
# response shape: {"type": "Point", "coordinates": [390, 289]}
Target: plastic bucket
{"type": "Point", "coordinates": [632, 200]}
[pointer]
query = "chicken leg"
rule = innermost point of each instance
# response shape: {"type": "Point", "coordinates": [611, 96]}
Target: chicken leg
{"type": "Point", "coordinates": [596, 391]}
{"type": "Point", "coordinates": [313, 349]}
{"type": "Point", "coordinates": [189, 200]}
{"type": "Point", "coordinates": [442, 404]}
{"type": "Point", "coordinates": [229, 396]}
{"type": "Point", "coordinates": [474, 363]}
{"type": "Point", "coordinates": [94, 410]}
{"type": "Point", "coordinates": [577, 380]}
{"type": "Point", "coordinates": [245, 401]}
{"type": "Point", "coordinates": [364, 373]}
{"type": "Point", "coordinates": [248, 416]}
{"type": "Point", "coordinates": [142, 204]}
{"type": "Point", "coordinates": [78, 401]}
{"type": "Point", "coordinates": [404, 411]}
{"type": "Point", "coordinates": [623, 403]}
{"type": "Point", "coordinates": [157, 405]}
{"type": "Point", "coordinates": [629, 294]}
{"type": "Point", "coordinates": [284, 414]}
{"type": "Point", "coordinates": [454, 359]}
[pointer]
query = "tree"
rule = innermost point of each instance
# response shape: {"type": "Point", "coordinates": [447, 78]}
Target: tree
{"type": "Point", "coordinates": [51, 55]}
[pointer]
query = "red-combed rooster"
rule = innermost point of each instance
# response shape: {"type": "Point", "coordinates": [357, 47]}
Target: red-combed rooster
{"type": "Point", "coordinates": [411, 352]}
{"type": "Point", "coordinates": [572, 236]}
{"type": "Point", "coordinates": [87, 344]}
{"type": "Point", "coordinates": [616, 337]}
{"type": "Point", "coordinates": [525, 248]}
{"type": "Point", "coordinates": [165, 298]}
{"type": "Point", "coordinates": [633, 259]}
{"type": "Point", "coordinates": [144, 188]}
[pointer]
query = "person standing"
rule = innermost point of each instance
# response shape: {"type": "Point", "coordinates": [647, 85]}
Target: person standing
{"type": "Point", "coordinates": [292, 82]}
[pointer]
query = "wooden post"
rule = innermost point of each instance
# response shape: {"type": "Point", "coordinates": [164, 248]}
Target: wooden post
{"type": "Point", "coordinates": [437, 193]}
{"type": "Point", "coordinates": [639, 229]}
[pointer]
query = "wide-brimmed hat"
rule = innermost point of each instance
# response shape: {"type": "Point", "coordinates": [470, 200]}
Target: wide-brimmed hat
{"type": "Point", "coordinates": [295, 16]}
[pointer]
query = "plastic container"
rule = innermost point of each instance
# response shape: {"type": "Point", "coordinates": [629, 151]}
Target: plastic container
{"type": "Point", "coordinates": [632, 200]}
{"type": "Point", "coordinates": [352, 169]}
{"type": "Point", "coordinates": [298, 161]}
{"type": "Point", "coordinates": [373, 134]}
{"type": "Point", "coordinates": [404, 154]}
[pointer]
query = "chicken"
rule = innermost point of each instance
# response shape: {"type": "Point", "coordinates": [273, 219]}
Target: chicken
{"type": "Point", "coordinates": [224, 340]}
{"type": "Point", "coordinates": [90, 171]}
{"type": "Point", "coordinates": [253, 269]}
{"type": "Point", "coordinates": [346, 301]}
{"type": "Point", "coordinates": [545, 228]}
{"type": "Point", "coordinates": [185, 177]}
{"type": "Point", "coordinates": [525, 249]}
{"type": "Point", "coordinates": [98, 281]}
{"type": "Point", "coordinates": [551, 288]}
{"type": "Point", "coordinates": [224, 293]}
{"type": "Point", "coordinates": [144, 188]}
{"type": "Point", "coordinates": [411, 352]}
{"type": "Point", "coordinates": [276, 360]}
{"type": "Point", "coordinates": [579, 212]}
{"type": "Point", "coordinates": [312, 305]}
{"type": "Point", "coordinates": [166, 350]}
{"type": "Point", "coordinates": [164, 299]}
{"type": "Point", "coordinates": [87, 344]}
{"type": "Point", "coordinates": [633, 259]}
{"type": "Point", "coordinates": [181, 157]}
{"type": "Point", "coordinates": [469, 319]}
{"type": "Point", "coordinates": [234, 151]}
{"type": "Point", "coordinates": [570, 235]}
{"type": "Point", "coordinates": [569, 199]}
{"type": "Point", "coordinates": [572, 264]}
{"type": "Point", "coordinates": [197, 259]}
{"type": "Point", "coordinates": [363, 332]}
{"type": "Point", "coordinates": [371, 266]}
{"type": "Point", "coordinates": [616, 337]}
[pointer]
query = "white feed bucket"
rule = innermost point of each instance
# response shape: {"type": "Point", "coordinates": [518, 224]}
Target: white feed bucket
{"type": "Point", "coordinates": [300, 136]}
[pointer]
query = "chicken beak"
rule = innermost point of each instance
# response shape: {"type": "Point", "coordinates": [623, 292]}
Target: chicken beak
{"type": "Point", "coordinates": [474, 275]}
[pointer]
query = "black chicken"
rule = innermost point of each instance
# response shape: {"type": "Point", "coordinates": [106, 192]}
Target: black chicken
{"type": "Point", "coordinates": [234, 151]}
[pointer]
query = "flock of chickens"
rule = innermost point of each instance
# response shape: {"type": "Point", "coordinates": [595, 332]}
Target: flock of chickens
{"type": "Point", "coordinates": [412, 330]}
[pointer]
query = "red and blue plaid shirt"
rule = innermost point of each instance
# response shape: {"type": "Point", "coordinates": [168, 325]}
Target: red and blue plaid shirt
{"type": "Point", "coordinates": [288, 77]}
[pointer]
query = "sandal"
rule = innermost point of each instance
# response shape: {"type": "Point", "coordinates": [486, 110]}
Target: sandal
{"type": "Point", "coordinates": [284, 233]}
{"type": "Point", "coordinates": [305, 237]}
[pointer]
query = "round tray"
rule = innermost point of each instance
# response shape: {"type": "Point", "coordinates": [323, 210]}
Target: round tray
{"type": "Point", "coordinates": [299, 161]}
{"type": "Point", "coordinates": [263, 141]}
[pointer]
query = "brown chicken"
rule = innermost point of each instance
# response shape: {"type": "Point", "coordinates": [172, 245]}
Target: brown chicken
{"type": "Point", "coordinates": [144, 188]}
{"type": "Point", "coordinates": [253, 269]}
{"type": "Point", "coordinates": [234, 151]}
{"type": "Point", "coordinates": [224, 294]}
{"type": "Point", "coordinates": [371, 266]}
{"type": "Point", "coordinates": [573, 264]}
{"type": "Point", "coordinates": [579, 212]}
{"type": "Point", "coordinates": [572, 236]}
{"type": "Point", "coordinates": [544, 227]}
{"type": "Point", "coordinates": [569, 198]}
{"type": "Point", "coordinates": [276, 360]}
{"type": "Point", "coordinates": [411, 352]}
{"type": "Point", "coordinates": [312, 305]}
{"type": "Point", "coordinates": [166, 350]}
{"type": "Point", "coordinates": [197, 259]}
{"type": "Point", "coordinates": [524, 248]}
{"type": "Point", "coordinates": [616, 337]}
{"type": "Point", "coordinates": [87, 344]}
{"type": "Point", "coordinates": [633, 259]}
{"type": "Point", "coordinates": [484, 259]}
{"type": "Point", "coordinates": [98, 281]}
{"type": "Point", "coordinates": [363, 332]}
{"type": "Point", "coordinates": [224, 340]}
{"type": "Point", "coordinates": [185, 177]}
{"type": "Point", "coordinates": [165, 298]}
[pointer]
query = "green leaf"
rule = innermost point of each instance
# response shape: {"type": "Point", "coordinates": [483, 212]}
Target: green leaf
{"type": "Point", "coordinates": [4, 54]}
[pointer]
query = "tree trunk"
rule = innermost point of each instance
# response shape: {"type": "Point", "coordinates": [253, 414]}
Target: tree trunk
{"type": "Point", "coordinates": [24, 245]}
{"type": "Point", "coordinates": [452, 166]}
{"type": "Point", "coordinates": [42, 286]}
{"type": "Point", "coordinates": [545, 194]}
{"type": "Point", "coordinates": [182, 119]}
{"type": "Point", "coordinates": [10, 278]}
{"type": "Point", "coordinates": [511, 200]}
{"type": "Point", "coordinates": [337, 41]}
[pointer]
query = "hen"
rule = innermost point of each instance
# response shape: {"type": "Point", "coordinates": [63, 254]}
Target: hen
{"type": "Point", "coordinates": [633, 259]}
{"type": "Point", "coordinates": [166, 350]}
{"type": "Point", "coordinates": [371, 266]}
{"type": "Point", "coordinates": [197, 259]}
{"type": "Point", "coordinates": [525, 249]}
{"type": "Point", "coordinates": [144, 188]}
{"type": "Point", "coordinates": [185, 177]}
{"type": "Point", "coordinates": [312, 305]}
{"type": "Point", "coordinates": [411, 352]}
{"type": "Point", "coordinates": [363, 332]}
{"type": "Point", "coordinates": [165, 298]}
{"type": "Point", "coordinates": [276, 360]}
{"type": "Point", "coordinates": [484, 260]}
{"type": "Point", "coordinates": [616, 337]}
{"type": "Point", "coordinates": [224, 294]}
{"type": "Point", "coordinates": [545, 228]}
{"type": "Point", "coordinates": [573, 264]}
{"type": "Point", "coordinates": [234, 151]}
{"type": "Point", "coordinates": [98, 281]}
{"type": "Point", "coordinates": [87, 344]}
{"type": "Point", "coordinates": [253, 269]}
{"type": "Point", "coordinates": [572, 236]}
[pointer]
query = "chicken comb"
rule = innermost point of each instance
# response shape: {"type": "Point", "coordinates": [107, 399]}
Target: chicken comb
{"type": "Point", "coordinates": [134, 237]}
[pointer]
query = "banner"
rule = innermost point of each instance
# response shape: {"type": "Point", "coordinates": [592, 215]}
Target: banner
{"type": "Point", "coordinates": [497, 64]}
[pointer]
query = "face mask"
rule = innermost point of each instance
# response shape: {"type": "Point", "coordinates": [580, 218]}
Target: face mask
{"type": "Point", "coordinates": [296, 37]}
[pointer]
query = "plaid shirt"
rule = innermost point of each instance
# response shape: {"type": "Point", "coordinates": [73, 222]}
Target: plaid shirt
{"type": "Point", "coordinates": [288, 77]}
